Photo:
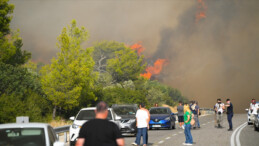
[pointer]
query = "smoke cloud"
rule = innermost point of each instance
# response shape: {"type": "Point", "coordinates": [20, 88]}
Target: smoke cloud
{"type": "Point", "coordinates": [212, 57]}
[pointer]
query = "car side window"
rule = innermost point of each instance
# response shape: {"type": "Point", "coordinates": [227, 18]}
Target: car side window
{"type": "Point", "coordinates": [52, 136]}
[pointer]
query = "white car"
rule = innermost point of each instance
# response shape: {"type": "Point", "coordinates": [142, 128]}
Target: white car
{"type": "Point", "coordinates": [83, 116]}
{"type": "Point", "coordinates": [28, 134]}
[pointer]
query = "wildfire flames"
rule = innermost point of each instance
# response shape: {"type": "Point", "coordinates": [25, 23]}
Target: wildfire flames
{"type": "Point", "coordinates": [201, 10]}
{"type": "Point", "coordinates": [138, 47]}
{"type": "Point", "coordinates": [150, 70]}
{"type": "Point", "coordinates": [156, 69]}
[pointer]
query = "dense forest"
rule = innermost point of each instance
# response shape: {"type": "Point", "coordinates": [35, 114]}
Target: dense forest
{"type": "Point", "coordinates": [76, 77]}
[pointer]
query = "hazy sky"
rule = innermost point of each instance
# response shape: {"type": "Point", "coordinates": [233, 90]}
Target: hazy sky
{"type": "Point", "coordinates": [214, 57]}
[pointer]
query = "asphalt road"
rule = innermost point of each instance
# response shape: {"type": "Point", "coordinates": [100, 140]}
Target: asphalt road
{"type": "Point", "coordinates": [207, 135]}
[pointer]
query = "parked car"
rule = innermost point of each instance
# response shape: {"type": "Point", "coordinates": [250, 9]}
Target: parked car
{"type": "Point", "coordinates": [128, 120]}
{"type": "Point", "coordinates": [161, 117]}
{"type": "Point", "coordinates": [256, 122]}
{"type": "Point", "coordinates": [83, 116]}
{"type": "Point", "coordinates": [28, 134]}
{"type": "Point", "coordinates": [249, 120]}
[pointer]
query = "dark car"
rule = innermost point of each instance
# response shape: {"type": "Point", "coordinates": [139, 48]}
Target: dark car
{"type": "Point", "coordinates": [128, 120]}
{"type": "Point", "coordinates": [161, 117]}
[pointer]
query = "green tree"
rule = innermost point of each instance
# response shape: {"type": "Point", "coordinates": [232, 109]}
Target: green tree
{"type": "Point", "coordinates": [70, 74]}
{"type": "Point", "coordinates": [104, 51]}
{"type": "Point", "coordinates": [126, 65]}
{"type": "Point", "coordinates": [119, 95]}
{"type": "Point", "coordinates": [20, 94]}
{"type": "Point", "coordinates": [10, 42]}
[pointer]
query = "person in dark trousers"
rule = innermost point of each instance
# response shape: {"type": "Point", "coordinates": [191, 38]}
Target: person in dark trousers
{"type": "Point", "coordinates": [230, 114]}
{"type": "Point", "coordinates": [100, 131]}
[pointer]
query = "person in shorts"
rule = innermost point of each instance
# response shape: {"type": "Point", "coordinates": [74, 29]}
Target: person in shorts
{"type": "Point", "coordinates": [180, 111]}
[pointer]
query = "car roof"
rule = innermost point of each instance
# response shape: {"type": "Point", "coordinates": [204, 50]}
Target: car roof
{"type": "Point", "coordinates": [24, 125]}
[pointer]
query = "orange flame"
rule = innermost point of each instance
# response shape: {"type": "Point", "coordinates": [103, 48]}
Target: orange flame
{"type": "Point", "coordinates": [202, 10]}
{"type": "Point", "coordinates": [137, 47]}
{"type": "Point", "coordinates": [154, 70]}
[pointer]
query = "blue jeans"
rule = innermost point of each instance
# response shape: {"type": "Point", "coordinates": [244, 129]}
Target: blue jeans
{"type": "Point", "coordinates": [187, 132]}
{"type": "Point", "coordinates": [143, 132]}
{"type": "Point", "coordinates": [230, 120]}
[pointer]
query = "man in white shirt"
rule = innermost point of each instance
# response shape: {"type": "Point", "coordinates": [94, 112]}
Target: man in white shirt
{"type": "Point", "coordinates": [219, 109]}
{"type": "Point", "coordinates": [253, 110]}
{"type": "Point", "coordinates": [142, 123]}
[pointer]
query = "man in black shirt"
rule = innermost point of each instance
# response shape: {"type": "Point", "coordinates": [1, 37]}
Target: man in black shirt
{"type": "Point", "coordinates": [230, 114]}
{"type": "Point", "coordinates": [100, 131]}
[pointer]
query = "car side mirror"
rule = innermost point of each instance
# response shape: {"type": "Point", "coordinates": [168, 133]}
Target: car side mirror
{"type": "Point", "coordinates": [72, 118]}
{"type": "Point", "coordinates": [247, 109]}
{"type": "Point", "coordinates": [58, 143]}
{"type": "Point", "coordinates": [118, 118]}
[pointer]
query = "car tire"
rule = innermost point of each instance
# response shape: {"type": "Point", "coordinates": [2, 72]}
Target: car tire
{"type": "Point", "coordinates": [256, 128]}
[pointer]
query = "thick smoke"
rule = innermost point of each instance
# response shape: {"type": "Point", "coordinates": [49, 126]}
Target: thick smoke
{"type": "Point", "coordinates": [215, 57]}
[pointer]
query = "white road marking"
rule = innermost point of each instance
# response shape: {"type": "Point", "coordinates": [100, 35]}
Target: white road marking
{"type": "Point", "coordinates": [234, 136]}
{"type": "Point", "coordinates": [238, 135]}
{"type": "Point", "coordinates": [203, 124]}
{"type": "Point", "coordinates": [174, 134]}
{"type": "Point", "coordinates": [180, 132]}
{"type": "Point", "coordinates": [161, 142]}
{"type": "Point", "coordinates": [208, 122]}
{"type": "Point", "coordinates": [168, 138]}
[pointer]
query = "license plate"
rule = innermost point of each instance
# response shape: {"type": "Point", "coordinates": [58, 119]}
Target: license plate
{"type": "Point", "coordinates": [156, 125]}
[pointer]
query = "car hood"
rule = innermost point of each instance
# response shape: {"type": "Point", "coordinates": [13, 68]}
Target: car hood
{"type": "Point", "coordinates": [159, 116]}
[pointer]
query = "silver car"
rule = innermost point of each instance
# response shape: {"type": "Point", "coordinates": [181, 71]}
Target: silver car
{"type": "Point", "coordinates": [127, 112]}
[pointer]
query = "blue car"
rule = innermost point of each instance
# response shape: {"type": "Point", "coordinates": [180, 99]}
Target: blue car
{"type": "Point", "coordinates": [161, 117]}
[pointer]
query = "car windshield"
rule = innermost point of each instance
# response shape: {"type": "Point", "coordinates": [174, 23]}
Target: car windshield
{"type": "Point", "coordinates": [125, 110]}
{"type": "Point", "coordinates": [22, 136]}
{"type": "Point", "coordinates": [90, 114]}
{"type": "Point", "coordinates": [159, 111]}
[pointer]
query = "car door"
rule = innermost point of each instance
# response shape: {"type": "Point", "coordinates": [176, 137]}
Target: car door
{"type": "Point", "coordinates": [52, 136]}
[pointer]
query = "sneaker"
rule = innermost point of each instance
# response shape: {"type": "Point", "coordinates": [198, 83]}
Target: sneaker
{"type": "Point", "coordinates": [183, 127]}
{"type": "Point", "coordinates": [187, 144]}
{"type": "Point", "coordinates": [230, 129]}
{"type": "Point", "coordinates": [134, 143]}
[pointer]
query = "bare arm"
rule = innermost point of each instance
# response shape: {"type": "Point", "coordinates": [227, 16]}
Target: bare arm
{"type": "Point", "coordinates": [120, 142]}
{"type": "Point", "coordinates": [80, 142]}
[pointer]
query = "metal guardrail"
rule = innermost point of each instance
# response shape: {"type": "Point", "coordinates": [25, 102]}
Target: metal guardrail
{"type": "Point", "coordinates": [62, 129]}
